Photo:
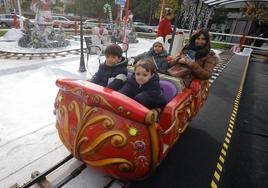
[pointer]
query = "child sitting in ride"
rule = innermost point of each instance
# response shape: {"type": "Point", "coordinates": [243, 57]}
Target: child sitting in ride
{"type": "Point", "coordinates": [113, 72]}
{"type": "Point", "coordinates": [144, 86]}
{"type": "Point", "coordinates": [196, 61]}
{"type": "Point", "coordinates": [158, 54]}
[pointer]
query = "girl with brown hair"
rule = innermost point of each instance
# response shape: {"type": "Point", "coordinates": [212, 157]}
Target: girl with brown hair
{"type": "Point", "coordinates": [144, 85]}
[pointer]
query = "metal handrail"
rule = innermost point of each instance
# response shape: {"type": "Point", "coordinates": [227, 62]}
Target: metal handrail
{"type": "Point", "coordinates": [248, 46]}
{"type": "Point", "coordinates": [232, 35]}
{"type": "Point", "coordinates": [227, 34]}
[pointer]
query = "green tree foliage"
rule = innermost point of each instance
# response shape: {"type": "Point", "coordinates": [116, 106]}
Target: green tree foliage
{"type": "Point", "coordinates": [93, 8]}
{"type": "Point", "coordinates": [254, 10]}
{"type": "Point", "coordinates": [26, 5]}
{"type": "Point", "coordinates": [169, 4]}
{"type": "Point", "coordinates": [144, 10]}
{"type": "Point", "coordinates": [148, 10]}
{"type": "Point", "coordinates": [58, 7]}
{"type": "Point", "coordinates": [220, 16]}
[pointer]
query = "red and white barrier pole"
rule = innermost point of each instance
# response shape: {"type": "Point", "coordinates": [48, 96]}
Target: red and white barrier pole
{"type": "Point", "coordinates": [125, 40]}
{"type": "Point", "coordinates": [21, 21]}
{"type": "Point", "coordinates": [15, 22]}
{"type": "Point", "coordinates": [242, 40]}
{"type": "Point", "coordinates": [76, 26]}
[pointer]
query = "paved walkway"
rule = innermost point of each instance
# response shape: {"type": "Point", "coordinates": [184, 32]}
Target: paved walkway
{"type": "Point", "coordinates": [247, 163]}
{"type": "Point", "coordinates": [192, 162]}
{"type": "Point", "coordinates": [197, 159]}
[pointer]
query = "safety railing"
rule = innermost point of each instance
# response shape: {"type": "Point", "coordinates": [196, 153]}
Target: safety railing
{"type": "Point", "coordinates": [242, 39]}
{"type": "Point", "coordinates": [224, 38]}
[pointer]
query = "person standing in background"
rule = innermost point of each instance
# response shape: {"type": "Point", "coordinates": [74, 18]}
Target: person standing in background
{"type": "Point", "coordinates": [164, 26]}
{"type": "Point", "coordinates": [101, 32]}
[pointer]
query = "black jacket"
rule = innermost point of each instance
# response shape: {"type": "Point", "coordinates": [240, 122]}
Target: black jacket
{"type": "Point", "coordinates": [149, 94]}
{"type": "Point", "coordinates": [112, 77]}
{"type": "Point", "coordinates": [160, 59]}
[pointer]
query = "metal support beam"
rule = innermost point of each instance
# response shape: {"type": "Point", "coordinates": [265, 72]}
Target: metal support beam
{"type": "Point", "coordinates": [217, 2]}
{"type": "Point", "coordinates": [174, 31]}
{"type": "Point", "coordinates": [21, 21]}
{"type": "Point", "coordinates": [239, 1]}
{"type": "Point", "coordinates": [82, 67]}
{"type": "Point", "coordinates": [196, 3]}
{"type": "Point", "coordinates": [209, 1]}
{"type": "Point", "coordinates": [208, 18]}
{"type": "Point", "coordinates": [226, 2]}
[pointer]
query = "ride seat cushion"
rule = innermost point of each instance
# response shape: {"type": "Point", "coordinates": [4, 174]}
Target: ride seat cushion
{"type": "Point", "coordinates": [169, 90]}
{"type": "Point", "coordinates": [129, 74]}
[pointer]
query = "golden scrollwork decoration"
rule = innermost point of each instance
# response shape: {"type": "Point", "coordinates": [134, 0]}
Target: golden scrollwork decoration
{"type": "Point", "coordinates": [121, 109]}
{"type": "Point", "coordinates": [98, 99]}
{"type": "Point", "coordinates": [64, 130]}
{"type": "Point", "coordinates": [124, 165]}
{"type": "Point", "coordinates": [150, 118]}
{"type": "Point", "coordinates": [179, 126]}
{"type": "Point", "coordinates": [85, 119]}
{"type": "Point", "coordinates": [118, 139]}
{"type": "Point", "coordinates": [76, 91]}
{"type": "Point", "coordinates": [85, 123]}
{"type": "Point", "coordinates": [67, 145]}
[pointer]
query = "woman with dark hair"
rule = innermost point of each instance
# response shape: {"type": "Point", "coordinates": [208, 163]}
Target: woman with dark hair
{"type": "Point", "coordinates": [196, 61]}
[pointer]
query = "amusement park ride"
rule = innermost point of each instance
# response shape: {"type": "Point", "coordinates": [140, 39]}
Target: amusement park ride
{"type": "Point", "coordinates": [117, 135]}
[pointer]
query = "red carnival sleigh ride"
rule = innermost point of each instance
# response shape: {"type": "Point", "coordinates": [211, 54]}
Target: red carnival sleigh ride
{"type": "Point", "coordinates": [115, 134]}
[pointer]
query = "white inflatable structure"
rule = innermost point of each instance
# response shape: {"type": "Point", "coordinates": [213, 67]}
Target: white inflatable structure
{"type": "Point", "coordinates": [12, 35]}
{"type": "Point", "coordinates": [102, 34]}
{"type": "Point", "coordinates": [177, 44]}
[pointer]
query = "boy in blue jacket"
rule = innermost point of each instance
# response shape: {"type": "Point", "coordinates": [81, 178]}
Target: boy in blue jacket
{"type": "Point", "coordinates": [113, 72]}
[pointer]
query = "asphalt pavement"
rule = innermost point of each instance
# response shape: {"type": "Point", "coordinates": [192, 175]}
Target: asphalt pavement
{"type": "Point", "coordinates": [247, 163]}
{"type": "Point", "coordinates": [193, 160]}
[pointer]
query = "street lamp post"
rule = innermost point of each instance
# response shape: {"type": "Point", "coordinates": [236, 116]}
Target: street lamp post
{"type": "Point", "coordinates": [21, 21]}
{"type": "Point", "coordinates": [162, 10]}
{"type": "Point", "coordinates": [151, 11]}
{"type": "Point", "coordinates": [82, 67]}
{"type": "Point", "coordinates": [177, 15]}
{"type": "Point", "coordinates": [5, 5]}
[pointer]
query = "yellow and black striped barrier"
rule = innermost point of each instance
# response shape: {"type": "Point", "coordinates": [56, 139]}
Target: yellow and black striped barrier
{"type": "Point", "coordinates": [227, 140]}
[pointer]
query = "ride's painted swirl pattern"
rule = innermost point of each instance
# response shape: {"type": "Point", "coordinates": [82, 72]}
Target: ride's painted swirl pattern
{"type": "Point", "coordinates": [98, 99]}
{"type": "Point", "coordinates": [118, 139]}
{"type": "Point", "coordinates": [124, 165]}
{"type": "Point", "coordinates": [84, 120]}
